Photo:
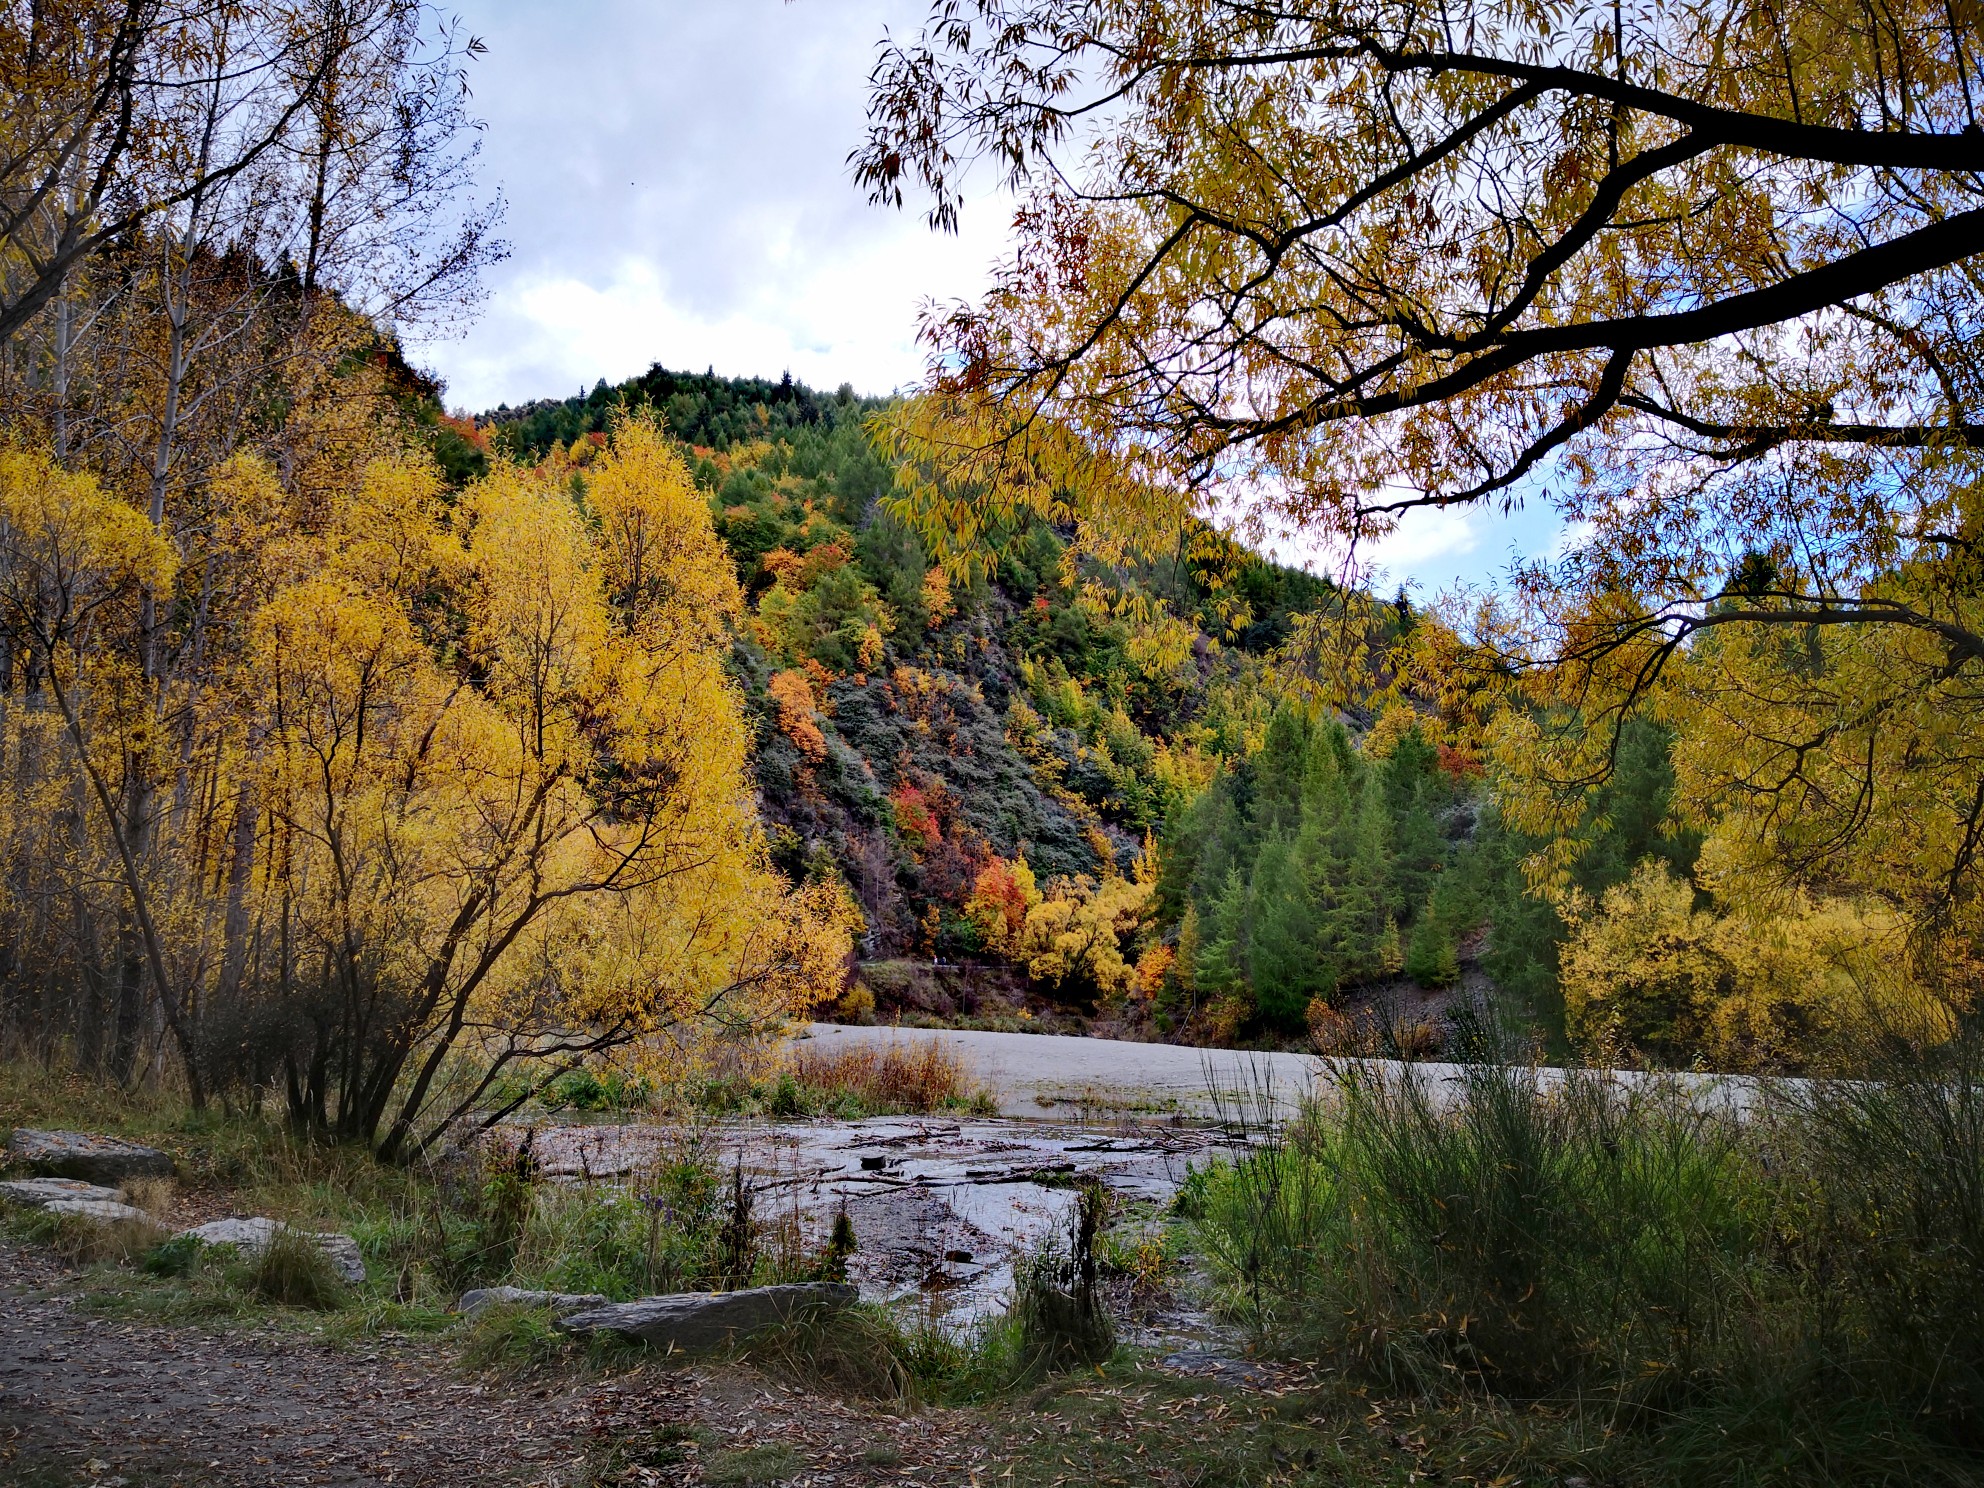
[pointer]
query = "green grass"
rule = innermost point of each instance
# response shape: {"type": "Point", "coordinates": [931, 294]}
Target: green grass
{"type": "Point", "coordinates": [1793, 1299]}
{"type": "Point", "coordinates": [752, 1467]}
{"type": "Point", "coordinates": [511, 1340]}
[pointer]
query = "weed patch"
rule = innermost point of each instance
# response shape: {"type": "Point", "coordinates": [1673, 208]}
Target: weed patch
{"type": "Point", "coordinates": [752, 1467]}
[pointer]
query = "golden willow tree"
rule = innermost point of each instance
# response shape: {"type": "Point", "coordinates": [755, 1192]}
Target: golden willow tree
{"type": "Point", "coordinates": [211, 219]}
{"type": "Point", "coordinates": [315, 776]}
{"type": "Point", "coordinates": [464, 801]}
{"type": "Point", "coordinates": [1701, 274]}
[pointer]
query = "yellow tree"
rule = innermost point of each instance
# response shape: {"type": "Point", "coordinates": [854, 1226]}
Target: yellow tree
{"type": "Point", "coordinates": [75, 563]}
{"type": "Point", "coordinates": [506, 775]}
{"type": "Point", "coordinates": [1700, 275]}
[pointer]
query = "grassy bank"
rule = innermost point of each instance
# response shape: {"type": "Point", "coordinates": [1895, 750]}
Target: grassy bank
{"type": "Point", "coordinates": [1797, 1297]}
{"type": "Point", "coordinates": [1597, 1284]}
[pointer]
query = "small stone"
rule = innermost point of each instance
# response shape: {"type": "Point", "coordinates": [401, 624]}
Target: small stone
{"type": "Point", "coordinates": [85, 1155]}
{"type": "Point", "coordinates": [251, 1236]}
{"type": "Point", "coordinates": [690, 1321]}
{"type": "Point", "coordinates": [103, 1211]}
{"type": "Point", "coordinates": [37, 1193]}
{"type": "Point", "coordinates": [474, 1301]}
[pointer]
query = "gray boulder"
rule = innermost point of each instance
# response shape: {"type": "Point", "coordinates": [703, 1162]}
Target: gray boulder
{"type": "Point", "coordinates": [252, 1236]}
{"type": "Point", "coordinates": [473, 1302]}
{"type": "Point", "coordinates": [690, 1321]}
{"type": "Point", "coordinates": [37, 1193]}
{"type": "Point", "coordinates": [84, 1155]}
{"type": "Point", "coordinates": [103, 1211]}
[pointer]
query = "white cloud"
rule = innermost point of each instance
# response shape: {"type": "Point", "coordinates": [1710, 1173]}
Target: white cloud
{"type": "Point", "coordinates": [1428, 542]}
{"type": "Point", "coordinates": [678, 188]}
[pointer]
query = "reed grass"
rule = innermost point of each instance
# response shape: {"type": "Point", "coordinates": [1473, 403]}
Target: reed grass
{"type": "Point", "coordinates": [885, 1079]}
{"type": "Point", "coordinates": [1791, 1295]}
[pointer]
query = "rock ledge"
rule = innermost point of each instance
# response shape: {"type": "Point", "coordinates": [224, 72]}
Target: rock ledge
{"type": "Point", "coordinates": [690, 1321]}
{"type": "Point", "coordinates": [474, 1301]}
{"type": "Point", "coordinates": [85, 1155]}
{"type": "Point", "coordinates": [103, 1211]}
{"type": "Point", "coordinates": [39, 1193]}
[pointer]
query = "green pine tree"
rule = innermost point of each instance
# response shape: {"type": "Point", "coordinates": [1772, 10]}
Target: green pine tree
{"type": "Point", "coordinates": [1282, 950]}
{"type": "Point", "coordinates": [1432, 959]}
{"type": "Point", "coordinates": [1220, 967]}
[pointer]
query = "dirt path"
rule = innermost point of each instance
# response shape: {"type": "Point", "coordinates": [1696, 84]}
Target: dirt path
{"type": "Point", "coordinates": [105, 1399]}
{"type": "Point", "coordinates": [85, 1400]}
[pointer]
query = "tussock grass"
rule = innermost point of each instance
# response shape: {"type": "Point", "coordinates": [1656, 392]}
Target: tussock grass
{"type": "Point", "coordinates": [885, 1079]}
{"type": "Point", "coordinates": [1794, 1298]}
{"type": "Point", "coordinates": [291, 1271]}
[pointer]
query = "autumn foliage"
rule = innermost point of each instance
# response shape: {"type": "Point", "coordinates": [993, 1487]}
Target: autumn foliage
{"type": "Point", "coordinates": [467, 793]}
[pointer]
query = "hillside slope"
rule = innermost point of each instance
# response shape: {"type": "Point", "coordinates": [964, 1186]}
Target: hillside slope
{"type": "Point", "coordinates": [1045, 817]}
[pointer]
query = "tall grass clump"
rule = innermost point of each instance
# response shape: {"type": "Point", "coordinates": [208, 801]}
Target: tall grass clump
{"type": "Point", "coordinates": [878, 1080]}
{"type": "Point", "coordinates": [1884, 1226]}
{"type": "Point", "coordinates": [1780, 1283]}
{"type": "Point", "coordinates": [292, 1271]}
{"type": "Point", "coordinates": [1594, 1236]}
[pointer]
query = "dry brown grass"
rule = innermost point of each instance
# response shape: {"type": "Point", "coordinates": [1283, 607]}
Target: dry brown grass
{"type": "Point", "coordinates": [888, 1077]}
{"type": "Point", "coordinates": [1371, 1033]}
{"type": "Point", "coordinates": [153, 1195]}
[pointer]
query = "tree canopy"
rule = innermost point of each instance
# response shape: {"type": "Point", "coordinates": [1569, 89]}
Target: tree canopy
{"type": "Point", "coordinates": [1702, 276]}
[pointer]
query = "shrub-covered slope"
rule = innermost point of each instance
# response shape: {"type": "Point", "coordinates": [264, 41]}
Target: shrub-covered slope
{"type": "Point", "coordinates": [926, 744]}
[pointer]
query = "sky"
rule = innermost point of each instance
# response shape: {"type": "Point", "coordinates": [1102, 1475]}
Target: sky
{"type": "Point", "coordinates": [678, 192]}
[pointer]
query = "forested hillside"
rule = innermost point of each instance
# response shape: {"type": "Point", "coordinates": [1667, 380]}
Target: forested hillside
{"type": "Point", "coordinates": [1070, 793]}
{"type": "Point", "coordinates": [1042, 813]}
{"type": "Point", "coordinates": [987, 768]}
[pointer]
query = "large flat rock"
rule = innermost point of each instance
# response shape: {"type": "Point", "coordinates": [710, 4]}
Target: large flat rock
{"type": "Point", "coordinates": [102, 1211]}
{"type": "Point", "coordinates": [38, 1193]}
{"type": "Point", "coordinates": [252, 1236]}
{"type": "Point", "coordinates": [87, 1156]}
{"type": "Point", "coordinates": [474, 1301]}
{"type": "Point", "coordinates": [692, 1321]}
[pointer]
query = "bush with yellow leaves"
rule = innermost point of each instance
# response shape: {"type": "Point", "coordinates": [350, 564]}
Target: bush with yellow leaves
{"type": "Point", "coordinates": [1647, 969]}
{"type": "Point", "coordinates": [1073, 939]}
